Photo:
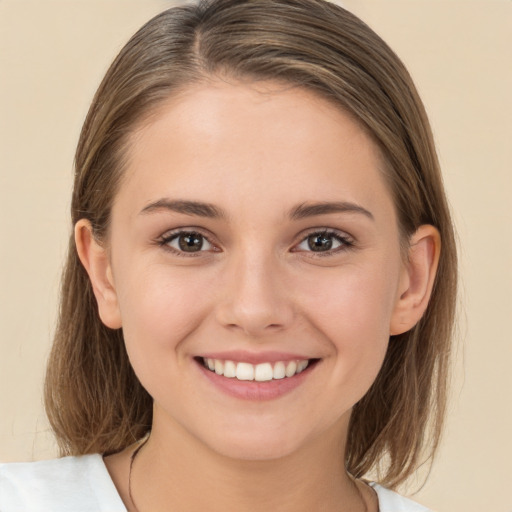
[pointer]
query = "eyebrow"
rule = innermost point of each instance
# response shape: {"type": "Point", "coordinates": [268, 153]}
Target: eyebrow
{"type": "Point", "coordinates": [196, 208]}
{"type": "Point", "coordinates": [208, 210]}
{"type": "Point", "coordinates": [311, 209]}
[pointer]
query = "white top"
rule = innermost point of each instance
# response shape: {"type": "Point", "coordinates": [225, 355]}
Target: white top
{"type": "Point", "coordinates": [83, 484]}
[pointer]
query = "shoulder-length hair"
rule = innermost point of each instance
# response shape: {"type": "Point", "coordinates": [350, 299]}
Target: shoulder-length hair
{"type": "Point", "coordinates": [93, 399]}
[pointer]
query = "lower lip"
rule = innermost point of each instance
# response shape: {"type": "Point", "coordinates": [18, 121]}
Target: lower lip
{"type": "Point", "coordinates": [253, 390]}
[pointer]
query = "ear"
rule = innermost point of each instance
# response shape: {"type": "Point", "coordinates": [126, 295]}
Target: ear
{"type": "Point", "coordinates": [94, 258]}
{"type": "Point", "coordinates": [417, 279]}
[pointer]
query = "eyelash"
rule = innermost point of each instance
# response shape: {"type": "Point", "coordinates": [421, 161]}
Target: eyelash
{"type": "Point", "coordinates": [168, 237]}
{"type": "Point", "coordinates": [346, 242]}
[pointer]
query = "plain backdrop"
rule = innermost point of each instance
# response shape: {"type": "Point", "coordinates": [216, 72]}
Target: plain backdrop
{"type": "Point", "coordinates": [52, 57]}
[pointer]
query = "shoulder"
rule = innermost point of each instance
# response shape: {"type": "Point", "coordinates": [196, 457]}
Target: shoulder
{"type": "Point", "coordinates": [390, 501]}
{"type": "Point", "coordinates": [81, 484]}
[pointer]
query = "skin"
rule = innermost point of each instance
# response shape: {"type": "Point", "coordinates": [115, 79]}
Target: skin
{"type": "Point", "coordinates": [256, 152]}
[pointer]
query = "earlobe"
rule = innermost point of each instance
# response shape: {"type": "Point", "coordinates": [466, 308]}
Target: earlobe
{"type": "Point", "coordinates": [417, 280]}
{"type": "Point", "coordinates": [94, 258]}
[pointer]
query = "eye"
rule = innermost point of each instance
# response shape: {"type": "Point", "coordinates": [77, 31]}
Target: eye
{"type": "Point", "coordinates": [186, 242]}
{"type": "Point", "coordinates": [324, 242]}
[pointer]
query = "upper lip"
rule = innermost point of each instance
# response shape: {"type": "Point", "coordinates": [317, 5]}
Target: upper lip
{"type": "Point", "coordinates": [242, 356]}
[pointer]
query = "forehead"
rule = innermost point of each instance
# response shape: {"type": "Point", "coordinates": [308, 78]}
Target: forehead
{"type": "Point", "coordinates": [220, 141]}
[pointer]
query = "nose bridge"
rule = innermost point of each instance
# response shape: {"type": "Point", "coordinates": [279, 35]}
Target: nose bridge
{"type": "Point", "coordinates": [254, 298]}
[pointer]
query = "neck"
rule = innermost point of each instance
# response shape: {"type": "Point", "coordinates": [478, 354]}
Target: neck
{"type": "Point", "coordinates": [174, 467]}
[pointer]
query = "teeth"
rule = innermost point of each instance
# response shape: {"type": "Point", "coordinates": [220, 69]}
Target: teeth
{"type": "Point", "coordinates": [244, 371]}
{"type": "Point", "coordinates": [279, 370]}
{"type": "Point", "coordinates": [229, 369]}
{"type": "Point", "coordinates": [263, 372]}
{"type": "Point", "coordinates": [301, 366]}
{"type": "Point", "coordinates": [291, 368]}
{"type": "Point", "coordinates": [219, 367]}
{"type": "Point", "coordinates": [260, 372]}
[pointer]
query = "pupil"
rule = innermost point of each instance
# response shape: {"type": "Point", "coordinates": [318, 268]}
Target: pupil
{"type": "Point", "coordinates": [191, 242]}
{"type": "Point", "coordinates": [319, 243]}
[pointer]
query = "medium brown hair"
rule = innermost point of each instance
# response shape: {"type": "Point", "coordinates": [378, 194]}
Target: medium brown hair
{"type": "Point", "coordinates": [93, 399]}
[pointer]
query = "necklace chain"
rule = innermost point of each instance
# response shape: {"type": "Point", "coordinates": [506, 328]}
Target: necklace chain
{"type": "Point", "coordinates": [360, 494]}
{"type": "Point", "coordinates": [137, 450]}
{"type": "Point", "coordinates": [132, 460]}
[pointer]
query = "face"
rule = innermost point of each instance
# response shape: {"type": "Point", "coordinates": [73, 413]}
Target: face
{"type": "Point", "coordinates": [253, 234]}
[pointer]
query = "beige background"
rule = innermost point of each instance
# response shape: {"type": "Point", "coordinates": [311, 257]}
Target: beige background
{"type": "Point", "coordinates": [53, 55]}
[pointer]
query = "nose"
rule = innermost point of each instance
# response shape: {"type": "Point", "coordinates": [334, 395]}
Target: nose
{"type": "Point", "coordinates": [255, 296]}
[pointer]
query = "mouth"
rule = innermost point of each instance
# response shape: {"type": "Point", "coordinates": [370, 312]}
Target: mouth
{"type": "Point", "coordinates": [261, 372]}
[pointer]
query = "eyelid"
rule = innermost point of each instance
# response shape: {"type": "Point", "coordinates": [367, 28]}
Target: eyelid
{"type": "Point", "coordinates": [164, 239]}
{"type": "Point", "coordinates": [347, 241]}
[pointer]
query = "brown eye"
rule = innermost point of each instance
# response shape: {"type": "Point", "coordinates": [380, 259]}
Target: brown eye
{"type": "Point", "coordinates": [329, 242]}
{"type": "Point", "coordinates": [187, 241]}
{"type": "Point", "coordinates": [320, 242]}
{"type": "Point", "coordinates": [190, 242]}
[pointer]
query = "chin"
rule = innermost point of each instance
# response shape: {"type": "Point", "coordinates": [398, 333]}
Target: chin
{"type": "Point", "coordinates": [261, 442]}
{"type": "Point", "coordinates": [257, 450]}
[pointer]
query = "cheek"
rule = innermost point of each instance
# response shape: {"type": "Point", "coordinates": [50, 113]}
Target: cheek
{"type": "Point", "coordinates": [357, 299]}
{"type": "Point", "coordinates": [352, 310]}
{"type": "Point", "coordinates": [159, 307]}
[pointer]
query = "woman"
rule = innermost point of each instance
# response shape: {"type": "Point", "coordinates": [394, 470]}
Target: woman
{"type": "Point", "coordinates": [256, 310]}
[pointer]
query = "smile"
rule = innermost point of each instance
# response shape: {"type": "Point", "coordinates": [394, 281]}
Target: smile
{"type": "Point", "coordinates": [256, 372]}
{"type": "Point", "coordinates": [256, 377]}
